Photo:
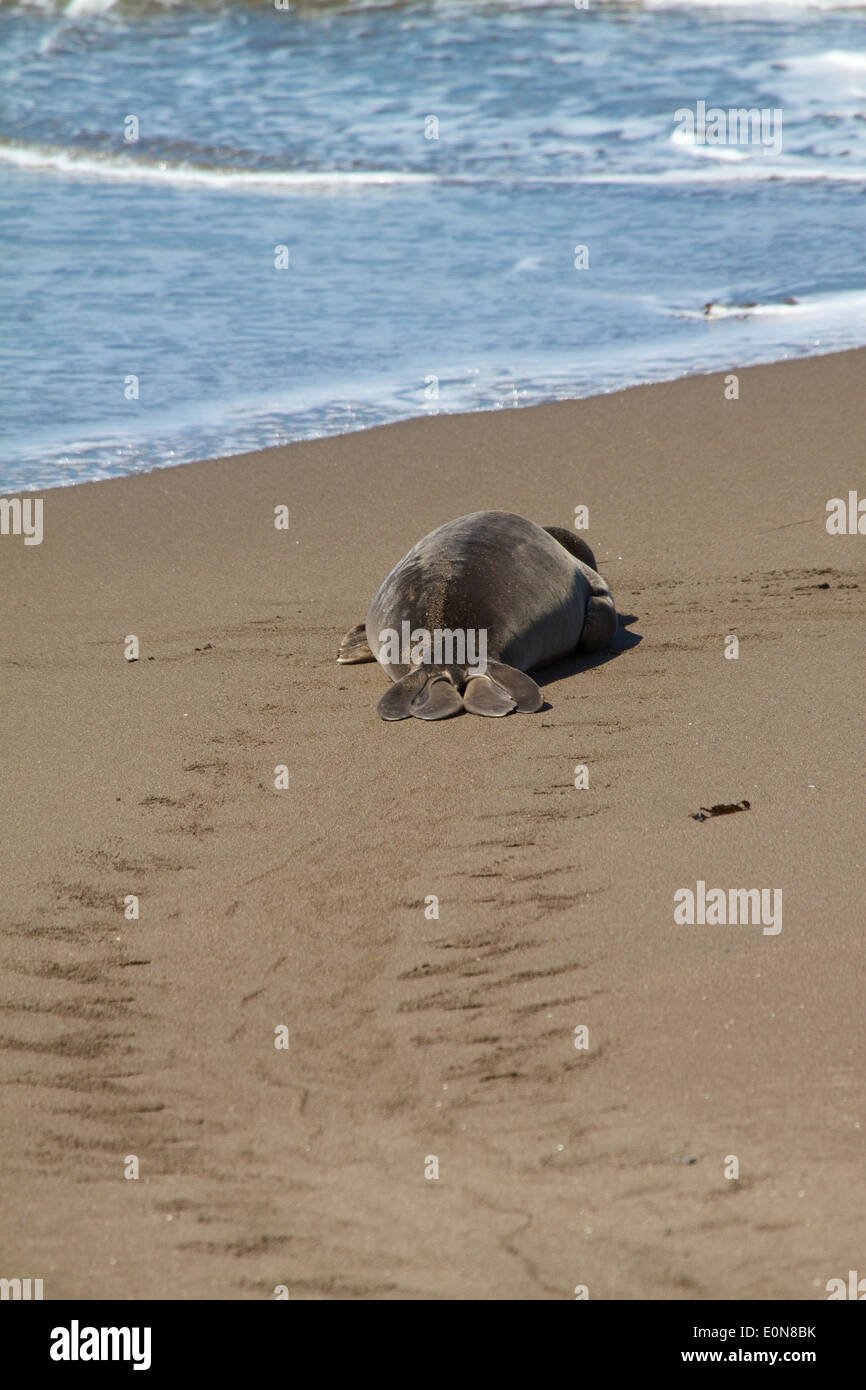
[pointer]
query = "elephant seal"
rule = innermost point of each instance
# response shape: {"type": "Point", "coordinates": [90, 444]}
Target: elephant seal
{"type": "Point", "coordinates": [474, 606]}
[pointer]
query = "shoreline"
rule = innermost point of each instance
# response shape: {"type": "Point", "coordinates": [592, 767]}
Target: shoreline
{"type": "Point", "coordinates": [613, 390]}
{"type": "Point", "coordinates": [456, 1036]}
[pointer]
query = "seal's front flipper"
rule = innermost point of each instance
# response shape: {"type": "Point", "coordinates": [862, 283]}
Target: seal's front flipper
{"type": "Point", "coordinates": [501, 689]}
{"type": "Point", "coordinates": [354, 647]}
{"type": "Point", "coordinates": [599, 625]}
{"type": "Point", "coordinates": [420, 695]}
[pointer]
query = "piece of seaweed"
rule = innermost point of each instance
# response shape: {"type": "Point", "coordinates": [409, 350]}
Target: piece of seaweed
{"type": "Point", "coordinates": [724, 808]}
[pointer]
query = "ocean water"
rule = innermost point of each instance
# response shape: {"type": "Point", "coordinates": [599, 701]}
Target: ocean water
{"type": "Point", "coordinates": [431, 171]}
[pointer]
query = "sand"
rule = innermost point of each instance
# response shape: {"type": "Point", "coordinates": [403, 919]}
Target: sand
{"type": "Point", "coordinates": [410, 1037]}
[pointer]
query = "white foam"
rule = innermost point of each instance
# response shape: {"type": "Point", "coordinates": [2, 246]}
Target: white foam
{"type": "Point", "coordinates": [685, 140]}
{"type": "Point", "coordinates": [120, 168]}
{"type": "Point", "coordinates": [758, 9]}
{"type": "Point", "coordinates": [76, 8]}
{"type": "Point", "coordinates": [755, 169]}
{"type": "Point", "coordinates": [827, 307]}
{"type": "Point", "coordinates": [762, 9]}
{"type": "Point", "coordinates": [835, 61]}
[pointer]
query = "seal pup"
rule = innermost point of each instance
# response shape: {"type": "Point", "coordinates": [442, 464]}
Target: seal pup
{"type": "Point", "coordinates": [474, 606]}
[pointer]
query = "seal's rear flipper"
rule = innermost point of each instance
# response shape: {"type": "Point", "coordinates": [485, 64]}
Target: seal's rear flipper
{"type": "Point", "coordinates": [483, 695]}
{"type": "Point", "coordinates": [354, 647]}
{"type": "Point", "coordinates": [434, 695]}
{"type": "Point", "coordinates": [396, 702]}
{"type": "Point", "coordinates": [501, 689]}
{"type": "Point", "coordinates": [438, 698]}
{"type": "Point", "coordinates": [421, 695]}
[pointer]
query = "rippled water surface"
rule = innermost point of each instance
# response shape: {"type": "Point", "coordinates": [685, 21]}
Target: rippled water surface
{"type": "Point", "coordinates": [431, 171]}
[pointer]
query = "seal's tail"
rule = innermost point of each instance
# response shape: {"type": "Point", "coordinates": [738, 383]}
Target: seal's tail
{"type": "Point", "coordinates": [438, 693]}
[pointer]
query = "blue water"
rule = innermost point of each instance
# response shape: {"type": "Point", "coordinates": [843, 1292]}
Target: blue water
{"type": "Point", "coordinates": [424, 274]}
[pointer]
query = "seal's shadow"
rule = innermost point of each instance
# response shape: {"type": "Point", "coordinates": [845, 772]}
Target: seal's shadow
{"type": "Point", "coordinates": [573, 665]}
